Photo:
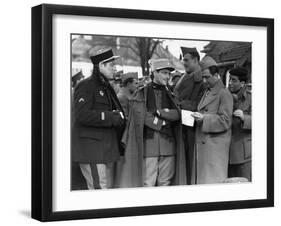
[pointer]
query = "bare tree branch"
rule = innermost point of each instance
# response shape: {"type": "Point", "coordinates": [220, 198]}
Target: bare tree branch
{"type": "Point", "coordinates": [155, 44]}
{"type": "Point", "coordinates": [131, 48]}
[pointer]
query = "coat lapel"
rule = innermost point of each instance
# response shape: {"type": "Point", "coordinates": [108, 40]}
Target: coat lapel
{"type": "Point", "coordinates": [210, 96]}
{"type": "Point", "coordinates": [207, 98]}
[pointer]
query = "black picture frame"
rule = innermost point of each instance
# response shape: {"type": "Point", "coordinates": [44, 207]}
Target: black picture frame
{"type": "Point", "coordinates": [42, 111]}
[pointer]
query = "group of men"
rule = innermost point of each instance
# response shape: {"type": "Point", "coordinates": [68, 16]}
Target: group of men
{"type": "Point", "coordinates": [136, 138]}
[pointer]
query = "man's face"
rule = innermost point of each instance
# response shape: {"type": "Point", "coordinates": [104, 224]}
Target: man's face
{"type": "Point", "coordinates": [133, 86]}
{"type": "Point", "coordinates": [208, 78]}
{"type": "Point", "coordinates": [234, 84]}
{"type": "Point", "coordinates": [108, 69]}
{"type": "Point", "coordinates": [206, 75]}
{"type": "Point", "coordinates": [162, 76]}
{"type": "Point", "coordinates": [189, 63]}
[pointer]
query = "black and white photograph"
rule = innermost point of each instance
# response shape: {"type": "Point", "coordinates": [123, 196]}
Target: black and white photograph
{"type": "Point", "coordinates": [150, 111]}
{"type": "Point", "coordinates": [140, 112]}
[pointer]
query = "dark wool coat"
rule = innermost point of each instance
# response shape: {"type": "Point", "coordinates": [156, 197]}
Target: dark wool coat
{"type": "Point", "coordinates": [95, 137]}
{"type": "Point", "coordinates": [132, 175]}
{"type": "Point", "coordinates": [189, 92]}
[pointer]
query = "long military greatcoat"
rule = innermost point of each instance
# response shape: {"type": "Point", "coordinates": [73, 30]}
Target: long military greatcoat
{"type": "Point", "coordinates": [213, 136]}
{"type": "Point", "coordinates": [132, 170]}
{"type": "Point", "coordinates": [189, 91]}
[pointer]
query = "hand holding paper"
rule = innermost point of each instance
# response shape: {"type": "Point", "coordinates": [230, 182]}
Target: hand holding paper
{"type": "Point", "coordinates": [198, 116]}
{"type": "Point", "coordinates": [186, 117]}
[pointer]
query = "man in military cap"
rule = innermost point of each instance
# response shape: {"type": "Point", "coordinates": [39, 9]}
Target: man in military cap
{"type": "Point", "coordinates": [154, 154]}
{"type": "Point", "coordinates": [129, 86]}
{"type": "Point", "coordinates": [240, 147]}
{"type": "Point", "coordinates": [189, 90]}
{"type": "Point", "coordinates": [99, 123]}
{"type": "Point", "coordinates": [213, 128]}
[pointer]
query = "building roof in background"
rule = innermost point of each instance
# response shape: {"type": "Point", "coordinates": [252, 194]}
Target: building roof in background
{"type": "Point", "coordinates": [222, 52]}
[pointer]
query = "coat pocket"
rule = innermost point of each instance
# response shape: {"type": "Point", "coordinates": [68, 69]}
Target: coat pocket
{"type": "Point", "coordinates": [247, 142]}
{"type": "Point", "coordinates": [90, 135]}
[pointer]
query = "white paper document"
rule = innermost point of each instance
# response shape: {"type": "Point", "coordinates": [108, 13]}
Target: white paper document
{"type": "Point", "coordinates": [186, 118]}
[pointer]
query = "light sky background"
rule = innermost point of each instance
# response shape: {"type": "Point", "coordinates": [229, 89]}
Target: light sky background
{"type": "Point", "coordinates": [174, 46]}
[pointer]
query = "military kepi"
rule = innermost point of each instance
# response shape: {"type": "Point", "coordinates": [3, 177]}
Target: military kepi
{"type": "Point", "coordinates": [158, 64]}
{"type": "Point", "coordinates": [186, 50]}
{"type": "Point", "coordinates": [102, 56]}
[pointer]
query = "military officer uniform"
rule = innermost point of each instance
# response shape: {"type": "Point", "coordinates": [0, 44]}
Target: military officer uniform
{"type": "Point", "coordinates": [98, 126]}
{"type": "Point", "coordinates": [159, 141]}
{"type": "Point", "coordinates": [189, 90]}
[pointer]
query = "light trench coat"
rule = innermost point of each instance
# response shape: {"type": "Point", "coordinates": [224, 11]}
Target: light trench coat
{"type": "Point", "coordinates": [213, 136]}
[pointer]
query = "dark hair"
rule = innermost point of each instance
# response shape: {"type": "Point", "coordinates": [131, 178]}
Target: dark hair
{"type": "Point", "coordinates": [96, 70]}
{"type": "Point", "coordinates": [213, 70]}
{"type": "Point", "coordinates": [127, 81]}
{"type": "Point", "coordinates": [240, 72]}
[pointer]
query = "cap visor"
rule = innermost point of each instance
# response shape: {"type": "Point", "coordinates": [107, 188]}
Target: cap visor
{"type": "Point", "coordinates": [168, 68]}
{"type": "Point", "coordinates": [110, 59]}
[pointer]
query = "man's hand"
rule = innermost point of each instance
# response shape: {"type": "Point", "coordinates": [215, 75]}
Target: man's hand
{"type": "Point", "coordinates": [239, 113]}
{"type": "Point", "coordinates": [198, 116]}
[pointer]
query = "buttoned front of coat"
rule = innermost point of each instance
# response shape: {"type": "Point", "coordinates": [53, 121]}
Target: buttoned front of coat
{"type": "Point", "coordinates": [158, 145]}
